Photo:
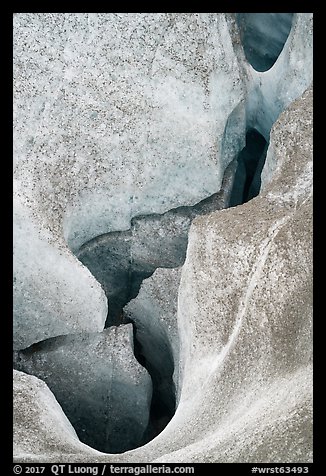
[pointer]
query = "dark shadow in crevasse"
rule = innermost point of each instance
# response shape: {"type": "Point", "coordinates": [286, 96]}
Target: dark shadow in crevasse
{"type": "Point", "coordinates": [121, 260]}
{"type": "Point", "coordinates": [251, 160]}
{"type": "Point", "coordinates": [263, 36]}
{"type": "Point", "coordinates": [163, 404]}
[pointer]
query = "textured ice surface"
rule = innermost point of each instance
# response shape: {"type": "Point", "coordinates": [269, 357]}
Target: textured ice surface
{"type": "Point", "coordinates": [54, 293]}
{"type": "Point", "coordinates": [115, 115]}
{"type": "Point", "coordinates": [119, 115]}
{"type": "Point", "coordinates": [36, 410]}
{"type": "Point", "coordinates": [157, 304]}
{"type": "Point", "coordinates": [244, 326]}
{"type": "Point", "coordinates": [121, 260]}
{"type": "Point", "coordinates": [136, 101]}
{"type": "Point", "coordinates": [101, 387]}
{"type": "Point", "coordinates": [154, 312]}
{"type": "Point", "coordinates": [272, 91]}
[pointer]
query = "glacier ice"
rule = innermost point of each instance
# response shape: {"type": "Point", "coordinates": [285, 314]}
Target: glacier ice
{"type": "Point", "coordinates": [119, 120]}
{"type": "Point", "coordinates": [100, 386]}
{"type": "Point", "coordinates": [263, 36]}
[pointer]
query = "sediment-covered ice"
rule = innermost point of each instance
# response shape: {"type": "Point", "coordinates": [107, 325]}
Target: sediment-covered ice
{"type": "Point", "coordinates": [122, 115]}
{"type": "Point", "coordinates": [54, 293]}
